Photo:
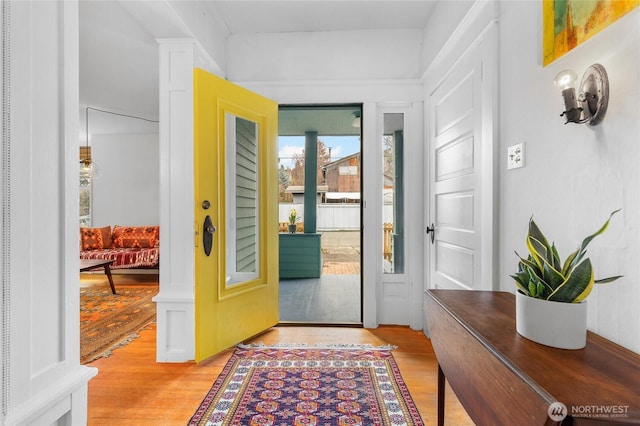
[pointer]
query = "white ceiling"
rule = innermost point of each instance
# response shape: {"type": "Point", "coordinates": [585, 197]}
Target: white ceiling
{"type": "Point", "coordinates": [326, 120]}
{"type": "Point", "coordinates": [269, 16]}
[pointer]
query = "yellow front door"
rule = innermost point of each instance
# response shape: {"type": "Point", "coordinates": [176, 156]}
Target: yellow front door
{"type": "Point", "coordinates": [236, 210]}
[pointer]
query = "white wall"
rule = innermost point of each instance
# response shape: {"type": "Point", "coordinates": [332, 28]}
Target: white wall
{"type": "Point", "coordinates": [118, 62]}
{"type": "Point", "coordinates": [575, 175]}
{"type": "Point", "coordinates": [128, 192]}
{"type": "Point", "coordinates": [206, 27]}
{"type": "Point", "coordinates": [445, 19]}
{"type": "Point", "coordinates": [334, 55]}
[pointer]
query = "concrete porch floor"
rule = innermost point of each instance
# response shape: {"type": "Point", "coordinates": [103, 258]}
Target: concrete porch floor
{"type": "Point", "coordinates": [335, 297]}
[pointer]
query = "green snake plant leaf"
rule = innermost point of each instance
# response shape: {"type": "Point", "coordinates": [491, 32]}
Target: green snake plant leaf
{"type": "Point", "coordinates": [543, 290]}
{"type": "Point", "coordinates": [522, 280]}
{"type": "Point", "coordinates": [539, 241]}
{"type": "Point", "coordinates": [552, 277]}
{"type": "Point", "coordinates": [523, 287]}
{"type": "Point", "coordinates": [534, 275]}
{"type": "Point", "coordinates": [556, 257]}
{"type": "Point", "coordinates": [538, 251]}
{"type": "Point", "coordinates": [607, 280]}
{"type": "Point", "coordinates": [576, 286]}
{"type": "Point", "coordinates": [568, 262]}
{"type": "Point", "coordinates": [521, 276]}
{"type": "Point", "coordinates": [524, 263]}
{"type": "Point", "coordinates": [536, 233]}
{"type": "Point", "coordinates": [587, 240]}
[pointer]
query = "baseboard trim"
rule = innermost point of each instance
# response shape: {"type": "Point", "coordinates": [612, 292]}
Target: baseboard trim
{"type": "Point", "coordinates": [65, 397]}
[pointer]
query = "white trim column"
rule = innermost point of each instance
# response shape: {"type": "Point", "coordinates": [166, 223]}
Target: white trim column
{"type": "Point", "coordinates": [176, 300]}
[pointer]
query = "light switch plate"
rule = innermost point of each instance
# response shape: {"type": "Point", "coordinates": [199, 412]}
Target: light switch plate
{"type": "Point", "coordinates": [515, 156]}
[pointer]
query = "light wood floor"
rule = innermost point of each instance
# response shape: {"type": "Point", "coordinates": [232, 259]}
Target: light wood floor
{"type": "Point", "coordinates": [132, 389]}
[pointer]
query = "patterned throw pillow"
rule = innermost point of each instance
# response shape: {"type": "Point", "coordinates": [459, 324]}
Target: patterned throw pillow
{"type": "Point", "coordinates": [95, 238]}
{"type": "Point", "coordinates": [136, 236]}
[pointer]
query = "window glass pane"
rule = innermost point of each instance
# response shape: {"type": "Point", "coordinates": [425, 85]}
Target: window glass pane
{"type": "Point", "coordinates": [242, 199]}
{"type": "Point", "coordinates": [393, 193]}
{"type": "Point", "coordinates": [246, 195]}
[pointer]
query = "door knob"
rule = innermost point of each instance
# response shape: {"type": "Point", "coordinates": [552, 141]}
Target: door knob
{"type": "Point", "coordinates": [208, 229]}
{"type": "Point", "coordinates": [432, 230]}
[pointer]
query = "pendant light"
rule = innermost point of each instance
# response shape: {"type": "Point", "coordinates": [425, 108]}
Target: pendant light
{"type": "Point", "coordinates": [89, 169]}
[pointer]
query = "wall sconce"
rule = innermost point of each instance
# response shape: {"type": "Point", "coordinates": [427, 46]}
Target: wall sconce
{"type": "Point", "coordinates": [591, 104]}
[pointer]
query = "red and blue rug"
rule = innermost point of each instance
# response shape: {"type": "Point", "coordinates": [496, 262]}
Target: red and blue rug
{"type": "Point", "coordinates": [308, 386]}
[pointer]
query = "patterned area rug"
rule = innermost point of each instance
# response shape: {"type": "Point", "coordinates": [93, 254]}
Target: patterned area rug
{"type": "Point", "coordinates": [108, 320]}
{"type": "Point", "coordinates": [309, 386]}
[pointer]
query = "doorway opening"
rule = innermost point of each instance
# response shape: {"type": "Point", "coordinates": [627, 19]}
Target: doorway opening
{"type": "Point", "coordinates": [119, 236]}
{"type": "Point", "coordinates": [320, 215]}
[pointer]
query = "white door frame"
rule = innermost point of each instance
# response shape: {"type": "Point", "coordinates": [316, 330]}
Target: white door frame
{"type": "Point", "coordinates": [398, 296]}
{"type": "Point", "coordinates": [371, 94]}
{"type": "Point", "coordinates": [478, 28]}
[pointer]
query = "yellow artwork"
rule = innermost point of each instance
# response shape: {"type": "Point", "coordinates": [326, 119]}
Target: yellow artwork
{"type": "Point", "coordinates": [567, 23]}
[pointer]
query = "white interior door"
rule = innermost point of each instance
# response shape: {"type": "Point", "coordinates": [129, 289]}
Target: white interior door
{"type": "Point", "coordinates": [460, 175]}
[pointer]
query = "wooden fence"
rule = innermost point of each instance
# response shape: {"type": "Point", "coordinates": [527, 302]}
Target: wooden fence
{"type": "Point", "coordinates": [284, 227]}
{"type": "Point", "coordinates": [386, 240]}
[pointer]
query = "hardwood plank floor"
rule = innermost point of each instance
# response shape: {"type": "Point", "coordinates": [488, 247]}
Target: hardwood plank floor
{"type": "Point", "coordinates": [132, 389]}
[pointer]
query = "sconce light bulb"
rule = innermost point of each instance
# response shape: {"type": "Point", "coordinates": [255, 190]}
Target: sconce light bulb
{"type": "Point", "coordinates": [565, 79]}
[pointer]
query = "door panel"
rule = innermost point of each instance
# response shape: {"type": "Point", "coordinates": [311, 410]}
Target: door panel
{"type": "Point", "coordinates": [236, 296]}
{"type": "Point", "coordinates": [455, 175]}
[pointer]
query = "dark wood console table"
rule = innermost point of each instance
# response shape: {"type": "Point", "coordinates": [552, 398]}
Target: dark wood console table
{"type": "Point", "coordinates": [501, 378]}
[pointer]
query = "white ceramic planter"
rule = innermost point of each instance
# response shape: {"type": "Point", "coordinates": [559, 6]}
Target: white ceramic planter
{"type": "Point", "coordinates": [555, 324]}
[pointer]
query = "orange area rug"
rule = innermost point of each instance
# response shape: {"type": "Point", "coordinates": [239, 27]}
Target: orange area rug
{"type": "Point", "coordinates": [109, 320]}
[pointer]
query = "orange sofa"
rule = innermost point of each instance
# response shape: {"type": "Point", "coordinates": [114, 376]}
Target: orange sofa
{"type": "Point", "coordinates": [129, 246]}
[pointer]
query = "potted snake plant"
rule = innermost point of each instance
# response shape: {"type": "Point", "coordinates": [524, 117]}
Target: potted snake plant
{"type": "Point", "coordinates": [551, 295]}
{"type": "Point", "coordinates": [293, 221]}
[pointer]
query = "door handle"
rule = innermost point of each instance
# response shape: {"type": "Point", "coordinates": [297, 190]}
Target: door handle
{"type": "Point", "coordinates": [208, 228]}
{"type": "Point", "coordinates": [431, 230]}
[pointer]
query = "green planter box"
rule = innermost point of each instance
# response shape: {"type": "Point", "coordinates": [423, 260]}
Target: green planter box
{"type": "Point", "coordinates": [300, 255]}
